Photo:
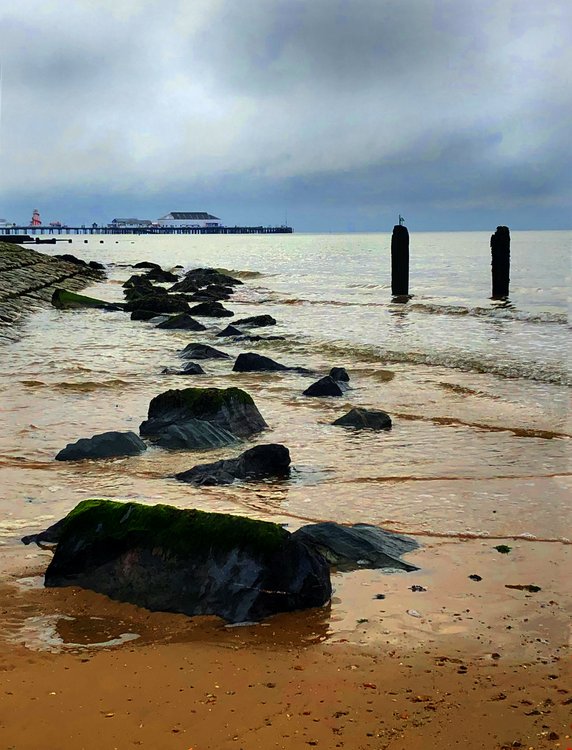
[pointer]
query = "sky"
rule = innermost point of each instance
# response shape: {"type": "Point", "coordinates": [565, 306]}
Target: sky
{"type": "Point", "coordinates": [330, 115]}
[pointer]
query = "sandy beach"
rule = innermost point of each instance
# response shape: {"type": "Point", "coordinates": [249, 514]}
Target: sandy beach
{"type": "Point", "coordinates": [461, 664]}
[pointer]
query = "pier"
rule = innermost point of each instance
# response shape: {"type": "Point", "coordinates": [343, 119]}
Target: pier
{"type": "Point", "coordinates": [95, 229]}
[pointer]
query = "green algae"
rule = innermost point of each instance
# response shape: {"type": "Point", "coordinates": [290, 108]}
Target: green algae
{"type": "Point", "coordinates": [64, 299]}
{"type": "Point", "coordinates": [199, 401]}
{"type": "Point", "coordinates": [179, 531]}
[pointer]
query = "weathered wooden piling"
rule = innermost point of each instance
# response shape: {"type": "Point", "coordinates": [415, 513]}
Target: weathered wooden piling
{"type": "Point", "coordinates": [400, 261]}
{"type": "Point", "coordinates": [500, 262]}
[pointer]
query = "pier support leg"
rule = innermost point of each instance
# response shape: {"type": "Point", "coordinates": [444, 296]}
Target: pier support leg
{"type": "Point", "coordinates": [400, 261]}
{"type": "Point", "coordinates": [500, 262]}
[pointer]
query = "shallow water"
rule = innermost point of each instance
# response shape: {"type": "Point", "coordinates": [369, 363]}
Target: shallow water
{"type": "Point", "coordinates": [478, 391]}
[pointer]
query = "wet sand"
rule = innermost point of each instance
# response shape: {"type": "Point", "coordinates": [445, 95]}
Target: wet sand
{"type": "Point", "coordinates": [465, 663]}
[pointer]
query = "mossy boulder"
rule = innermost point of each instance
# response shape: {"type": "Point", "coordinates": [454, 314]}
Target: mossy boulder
{"type": "Point", "coordinates": [64, 300]}
{"type": "Point", "coordinates": [186, 561]}
{"type": "Point", "coordinates": [198, 418]}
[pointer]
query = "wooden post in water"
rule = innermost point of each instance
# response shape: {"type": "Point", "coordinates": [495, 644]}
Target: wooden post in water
{"type": "Point", "coordinates": [400, 260]}
{"type": "Point", "coordinates": [500, 262]}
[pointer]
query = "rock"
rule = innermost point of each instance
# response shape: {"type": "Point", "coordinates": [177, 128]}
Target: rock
{"type": "Point", "coordinates": [138, 282]}
{"type": "Point", "coordinates": [261, 338]}
{"type": "Point", "coordinates": [212, 292]}
{"type": "Point", "coordinates": [146, 264]}
{"type": "Point", "coordinates": [211, 310]}
{"type": "Point", "coordinates": [202, 351]}
{"type": "Point", "coordinates": [229, 331]}
{"type": "Point", "coordinates": [340, 375]}
{"type": "Point", "coordinates": [358, 546]}
{"type": "Point", "coordinates": [201, 418]}
{"type": "Point", "coordinates": [192, 368]}
{"type": "Point", "coordinates": [143, 315]}
{"type": "Point", "coordinates": [182, 321]}
{"type": "Point", "coordinates": [252, 362]}
{"type": "Point", "coordinates": [96, 266]}
{"type": "Point", "coordinates": [157, 274]}
{"type": "Point", "coordinates": [325, 387]}
{"type": "Point", "coordinates": [64, 300]}
{"type": "Point", "coordinates": [204, 277]}
{"type": "Point", "coordinates": [257, 321]}
{"type": "Point", "coordinates": [365, 419]}
{"type": "Point", "coordinates": [160, 303]}
{"type": "Point", "coordinates": [503, 549]}
{"type": "Point", "coordinates": [260, 462]}
{"type": "Point", "coordinates": [105, 445]}
{"type": "Point", "coordinates": [185, 561]}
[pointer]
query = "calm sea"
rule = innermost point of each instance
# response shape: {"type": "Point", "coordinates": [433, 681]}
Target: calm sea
{"type": "Point", "coordinates": [478, 390]}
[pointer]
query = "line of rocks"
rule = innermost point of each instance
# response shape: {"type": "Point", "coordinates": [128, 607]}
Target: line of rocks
{"type": "Point", "coordinates": [29, 278]}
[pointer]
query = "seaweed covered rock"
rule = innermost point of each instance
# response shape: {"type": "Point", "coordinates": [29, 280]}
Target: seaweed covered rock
{"type": "Point", "coordinates": [104, 445]}
{"type": "Point", "coordinates": [358, 546]}
{"type": "Point", "coordinates": [257, 321]}
{"type": "Point", "coordinates": [202, 351]}
{"type": "Point", "coordinates": [182, 321]}
{"type": "Point", "coordinates": [185, 561]}
{"type": "Point", "coordinates": [198, 418]}
{"type": "Point", "coordinates": [365, 419]}
{"type": "Point", "coordinates": [64, 300]}
{"type": "Point", "coordinates": [260, 462]}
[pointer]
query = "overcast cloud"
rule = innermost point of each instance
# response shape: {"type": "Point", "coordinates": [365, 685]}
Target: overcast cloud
{"type": "Point", "coordinates": [342, 112]}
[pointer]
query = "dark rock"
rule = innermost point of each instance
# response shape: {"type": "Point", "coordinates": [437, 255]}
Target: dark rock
{"type": "Point", "coordinates": [252, 362]}
{"type": "Point", "coordinates": [186, 561]}
{"type": "Point", "coordinates": [204, 277]}
{"type": "Point", "coordinates": [339, 374]}
{"type": "Point", "coordinates": [229, 331]}
{"type": "Point", "coordinates": [261, 338]}
{"type": "Point", "coordinates": [211, 310]}
{"type": "Point", "coordinates": [157, 274]}
{"type": "Point", "coordinates": [105, 445]}
{"type": "Point", "coordinates": [143, 314]}
{"type": "Point", "coordinates": [257, 321]}
{"type": "Point", "coordinates": [197, 418]}
{"type": "Point", "coordinates": [160, 303]}
{"type": "Point", "coordinates": [475, 577]}
{"type": "Point", "coordinates": [260, 462]}
{"type": "Point", "coordinates": [96, 266]}
{"type": "Point", "coordinates": [212, 292]}
{"type": "Point", "coordinates": [325, 387]}
{"type": "Point", "coordinates": [202, 351]}
{"type": "Point", "coordinates": [365, 419]}
{"type": "Point", "coordinates": [358, 546]}
{"type": "Point", "coordinates": [183, 321]}
{"type": "Point", "coordinates": [192, 368]}
{"type": "Point", "coordinates": [146, 264]}
{"type": "Point", "coordinates": [137, 281]}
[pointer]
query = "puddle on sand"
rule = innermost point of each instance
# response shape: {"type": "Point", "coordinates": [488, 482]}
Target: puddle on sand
{"type": "Point", "coordinates": [57, 633]}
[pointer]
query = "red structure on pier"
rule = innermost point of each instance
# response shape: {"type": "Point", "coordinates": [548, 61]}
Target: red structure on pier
{"type": "Point", "coordinates": [36, 221]}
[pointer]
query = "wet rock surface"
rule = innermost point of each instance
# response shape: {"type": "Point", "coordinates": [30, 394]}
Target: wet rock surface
{"type": "Point", "coordinates": [257, 321]}
{"type": "Point", "coordinates": [358, 546]}
{"type": "Point", "coordinates": [202, 351]}
{"type": "Point", "coordinates": [186, 561]}
{"type": "Point", "coordinates": [260, 462]}
{"type": "Point", "coordinates": [105, 445]}
{"type": "Point", "coordinates": [183, 321]}
{"type": "Point", "coordinates": [252, 362]}
{"type": "Point", "coordinates": [201, 417]}
{"type": "Point", "coordinates": [211, 310]}
{"type": "Point", "coordinates": [365, 419]}
{"type": "Point", "coordinates": [325, 387]}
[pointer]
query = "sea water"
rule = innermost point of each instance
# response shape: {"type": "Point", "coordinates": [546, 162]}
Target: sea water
{"type": "Point", "coordinates": [478, 389]}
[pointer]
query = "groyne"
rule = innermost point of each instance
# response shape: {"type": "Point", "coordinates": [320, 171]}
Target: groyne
{"type": "Point", "coordinates": [28, 279]}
